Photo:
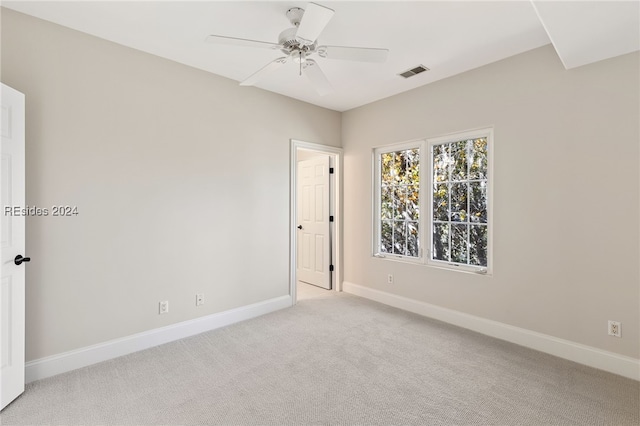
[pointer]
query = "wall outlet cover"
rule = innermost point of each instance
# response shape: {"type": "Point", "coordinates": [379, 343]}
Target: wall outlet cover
{"type": "Point", "coordinates": [614, 328]}
{"type": "Point", "coordinates": [199, 299]}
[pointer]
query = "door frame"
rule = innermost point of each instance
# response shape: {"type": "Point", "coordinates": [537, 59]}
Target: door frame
{"type": "Point", "coordinates": [335, 200]}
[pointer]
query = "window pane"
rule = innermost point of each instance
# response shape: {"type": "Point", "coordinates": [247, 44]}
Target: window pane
{"type": "Point", "coordinates": [459, 243]}
{"type": "Point", "coordinates": [413, 203]}
{"type": "Point", "coordinates": [407, 165]}
{"type": "Point", "coordinates": [400, 206]}
{"type": "Point", "coordinates": [441, 202]}
{"type": "Point", "coordinates": [478, 159]}
{"type": "Point", "coordinates": [412, 239]}
{"type": "Point", "coordinates": [459, 154]}
{"type": "Point", "coordinates": [403, 163]}
{"type": "Point", "coordinates": [397, 167]}
{"type": "Point", "coordinates": [459, 202]}
{"type": "Point", "coordinates": [399, 237]}
{"type": "Point", "coordinates": [386, 237]}
{"type": "Point", "coordinates": [440, 247]}
{"type": "Point", "coordinates": [441, 161]}
{"type": "Point", "coordinates": [478, 202]}
{"type": "Point", "coordinates": [386, 161]}
{"type": "Point", "coordinates": [478, 249]}
{"type": "Point", "coordinates": [386, 203]}
{"type": "Point", "coordinates": [399, 182]}
{"type": "Point", "coordinates": [412, 174]}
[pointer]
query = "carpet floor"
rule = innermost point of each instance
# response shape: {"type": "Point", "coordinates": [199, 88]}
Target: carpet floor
{"type": "Point", "coordinates": [339, 360]}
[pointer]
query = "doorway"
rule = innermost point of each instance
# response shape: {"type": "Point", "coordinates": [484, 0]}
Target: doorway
{"type": "Point", "coordinates": [315, 243]}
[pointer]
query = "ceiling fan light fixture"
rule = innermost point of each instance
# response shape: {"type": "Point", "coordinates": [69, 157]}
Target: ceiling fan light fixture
{"type": "Point", "coordinates": [298, 57]}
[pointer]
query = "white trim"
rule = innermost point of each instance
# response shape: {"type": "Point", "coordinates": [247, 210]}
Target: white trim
{"type": "Point", "coordinates": [336, 198]}
{"type": "Point", "coordinates": [78, 358]}
{"type": "Point", "coordinates": [582, 354]}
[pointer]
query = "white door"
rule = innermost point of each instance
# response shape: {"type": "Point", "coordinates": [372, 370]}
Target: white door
{"type": "Point", "coordinates": [13, 244]}
{"type": "Point", "coordinates": [314, 244]}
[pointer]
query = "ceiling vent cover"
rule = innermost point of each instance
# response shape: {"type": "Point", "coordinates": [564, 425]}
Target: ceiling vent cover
{"type": "Point", "coordinates": [413, 71]}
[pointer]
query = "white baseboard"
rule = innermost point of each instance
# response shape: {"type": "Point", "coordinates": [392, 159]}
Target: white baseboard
{"type": "Point", "coordinates": [61, 363]}
{"type": "Point", "coordinates": [582, 354]}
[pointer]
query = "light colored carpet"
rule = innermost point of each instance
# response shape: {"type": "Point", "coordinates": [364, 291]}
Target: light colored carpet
{"type": "Point", "coordinates": [333, 360]}
{"type": "Point", "coordinates": [307, 291]}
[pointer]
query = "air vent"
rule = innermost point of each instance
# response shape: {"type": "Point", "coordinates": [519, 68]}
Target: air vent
{"type": "Point", "coordinates": [414, 71]}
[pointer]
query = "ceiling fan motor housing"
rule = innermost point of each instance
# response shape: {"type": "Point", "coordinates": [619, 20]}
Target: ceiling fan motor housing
{"type": "Point", "coordinates": [290, 45]}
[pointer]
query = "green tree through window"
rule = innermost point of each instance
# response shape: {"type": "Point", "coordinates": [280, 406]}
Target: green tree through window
{"type": "Point", "coordinates": [400, 202]}
{"type": "Point", "coordinates": [459, 221]}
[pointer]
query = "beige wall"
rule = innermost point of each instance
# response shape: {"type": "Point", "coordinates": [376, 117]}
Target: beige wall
{"type": "Point", "coordinates": [181, 179]}
{"type": "Point", "coordinates": [566, 194]}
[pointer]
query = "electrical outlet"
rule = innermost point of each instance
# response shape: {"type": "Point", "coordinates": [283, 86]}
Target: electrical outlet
{"type": "Point", "coordinates": [199, 299]}
{"type": "Point", "coordinates": [615, 329]}
{"type": "Point", "coordinates": [390, 279]}
{"type": "Point", "coordinates": [164, 307]}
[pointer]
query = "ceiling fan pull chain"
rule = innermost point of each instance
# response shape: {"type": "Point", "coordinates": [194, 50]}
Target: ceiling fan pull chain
{"type": "Point", "coordinates": [300, 63]}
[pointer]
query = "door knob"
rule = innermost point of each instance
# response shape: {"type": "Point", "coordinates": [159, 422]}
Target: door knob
{"type": "Point", "coordinates": [299, 226]}
{"type": "Point", "coordinates": [19, 259]}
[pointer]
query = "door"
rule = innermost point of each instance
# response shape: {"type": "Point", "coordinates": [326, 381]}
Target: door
{"type": "Point", "coordinates": [314, 243]}
{"type": "Point", "coordinates": [12, 183]}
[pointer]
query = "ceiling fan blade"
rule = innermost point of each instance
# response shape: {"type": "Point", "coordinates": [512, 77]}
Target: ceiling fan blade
{"type": "Point", "coordinates": [217, 39]}
{"type": "Point", "coordinates": [271, 66]}
{"type": "Point", "coordinates": [362, 54]}
{"type": "Point", "coordinates": [312, 70]}
{"type": "Point", "coordinates": [314, 20]}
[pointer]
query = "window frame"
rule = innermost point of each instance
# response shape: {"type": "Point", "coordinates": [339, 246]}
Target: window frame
{"type": "Point", "coordinates": [425, 222]}
{"type": "Point", "coordinates": [377, 195]}
{"type": "Point", "coordinates": [456, 137]}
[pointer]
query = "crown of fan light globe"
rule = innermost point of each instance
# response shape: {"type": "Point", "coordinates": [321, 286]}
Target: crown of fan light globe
{"type": "Point", "coordinates": [298, 57]}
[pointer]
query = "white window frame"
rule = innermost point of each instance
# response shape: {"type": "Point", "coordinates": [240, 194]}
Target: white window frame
{"type": "Point", "coordinates": [455, 137]}
{"type": "Point", "coordinates": [426, 199]}
{"type": "Point", "coordinates": [377, 152]}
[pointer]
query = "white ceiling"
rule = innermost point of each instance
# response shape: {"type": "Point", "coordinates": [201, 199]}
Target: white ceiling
{"type": "Point", "coordinates": [449, 37]}
{"type": "Point", "coordinates": [583, 33]}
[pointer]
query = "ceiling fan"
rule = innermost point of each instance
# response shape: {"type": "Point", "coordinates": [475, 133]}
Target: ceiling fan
{"type": "Point", "coordinates": [300, 42]}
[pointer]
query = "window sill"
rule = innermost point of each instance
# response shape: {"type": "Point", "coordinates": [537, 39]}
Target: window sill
{"type": "Point", "coordinates": [397, 258]}
{"type": "Point", "coordinates": [439, 265]}
{"type": "Point", "coordinates": [461, 268]}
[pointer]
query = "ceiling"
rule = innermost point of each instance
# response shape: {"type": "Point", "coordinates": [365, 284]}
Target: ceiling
{"type": "Point", "coordinates": [448, 37]}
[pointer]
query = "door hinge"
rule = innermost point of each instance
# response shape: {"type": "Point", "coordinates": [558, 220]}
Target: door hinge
{"type": "Point", "coordinates": [330, 218]}
{"type": "Point", "coordinates": [330, 170]}
{"type": "Point", "coordinates": [330, 268]}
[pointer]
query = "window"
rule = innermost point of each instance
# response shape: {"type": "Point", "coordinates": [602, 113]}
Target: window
{"type": "Point", "coordinates": [398, 206]}
{"type": "Point", "coordinates": [455, 201]}
{"type": "Point", "coordinates": [459, 194]}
